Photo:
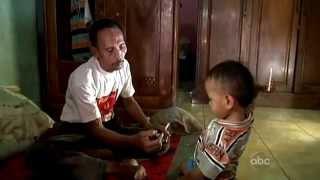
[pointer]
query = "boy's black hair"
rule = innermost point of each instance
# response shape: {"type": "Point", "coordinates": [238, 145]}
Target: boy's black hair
{"type": "Point", "coordinates": [236, 79]}
{"type": "Point", "coordinates": [98, 25]}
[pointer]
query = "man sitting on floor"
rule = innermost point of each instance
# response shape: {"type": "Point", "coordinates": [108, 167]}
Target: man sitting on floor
{"type": "Point", "coordinates": [76, 148]}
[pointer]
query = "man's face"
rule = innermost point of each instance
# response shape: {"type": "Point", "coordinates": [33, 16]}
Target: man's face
{"type": "Point", "coordinates": [111, 49]}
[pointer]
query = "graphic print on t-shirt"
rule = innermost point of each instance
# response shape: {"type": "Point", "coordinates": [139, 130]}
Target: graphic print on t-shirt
{"type": "Point", "coordinates": [105, 105]}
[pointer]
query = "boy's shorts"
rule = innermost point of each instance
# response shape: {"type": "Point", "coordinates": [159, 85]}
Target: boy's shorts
{"type": "Point", "coordinates": [191, 164]}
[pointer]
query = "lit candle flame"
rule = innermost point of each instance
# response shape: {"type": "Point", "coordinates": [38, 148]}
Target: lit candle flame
{"type": "Point", "coordinates": [270, 79]}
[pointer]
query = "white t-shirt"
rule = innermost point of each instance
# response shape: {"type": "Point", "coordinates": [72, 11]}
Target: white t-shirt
{"type": "Point", "coordinates": [92, 92]}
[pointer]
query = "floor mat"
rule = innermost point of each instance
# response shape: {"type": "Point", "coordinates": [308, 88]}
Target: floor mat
{"type": "Point", "coordinates": [14, 168]}
{"type": "Point", "coordinates": [157, 168]}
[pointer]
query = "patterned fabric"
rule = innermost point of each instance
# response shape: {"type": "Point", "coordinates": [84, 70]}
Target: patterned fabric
{"type": "Point", "coordinates": [80, 17]}
{"type": "Point", "coordinates": [220, 146]}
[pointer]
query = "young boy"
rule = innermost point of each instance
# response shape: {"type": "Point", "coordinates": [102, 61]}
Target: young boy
{"type": "Point", "coordinates": [231, 91]}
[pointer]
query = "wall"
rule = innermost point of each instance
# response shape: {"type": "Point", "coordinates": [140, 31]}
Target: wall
{"type": "Point", "coordinates": [18, 47]}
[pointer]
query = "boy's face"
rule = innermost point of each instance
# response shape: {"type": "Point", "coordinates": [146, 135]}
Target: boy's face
{"type": "Point", "coordinates": [111, 49]}
{"type": "Point", "coordinates": [218, 99]}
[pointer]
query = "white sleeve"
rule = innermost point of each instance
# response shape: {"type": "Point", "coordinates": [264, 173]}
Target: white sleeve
{"type": "Point", "coordinates": [214, 159]}
{"type": "Point", "coordinates": [83, 94]}
{"type": "Point", "coordinates": [128, 89]}
{"type": "Point", "coordinates": [209, 164]}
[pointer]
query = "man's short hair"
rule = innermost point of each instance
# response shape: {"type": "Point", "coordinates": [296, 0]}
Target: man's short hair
{"type": "Point", "coordinates": [236, 79]}
{"type": "Point", "coordinates": [99, 25]}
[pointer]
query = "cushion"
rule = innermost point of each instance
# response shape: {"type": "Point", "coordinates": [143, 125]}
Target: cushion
{"type": "Point", "coordinates": [181, 121]}
{"type": "Point", "coordinates": [21, 122]}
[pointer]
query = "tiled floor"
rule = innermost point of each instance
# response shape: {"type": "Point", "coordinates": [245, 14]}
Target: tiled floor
{"type": "Point", "coordinates": [285, 143]}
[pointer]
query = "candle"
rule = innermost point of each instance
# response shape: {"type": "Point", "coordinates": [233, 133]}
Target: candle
{"type": "Point", "coordinates": [270, 79]}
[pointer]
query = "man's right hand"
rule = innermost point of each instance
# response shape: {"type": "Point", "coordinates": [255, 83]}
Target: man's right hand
{"type": "Point", "coordinates": [144, 141]}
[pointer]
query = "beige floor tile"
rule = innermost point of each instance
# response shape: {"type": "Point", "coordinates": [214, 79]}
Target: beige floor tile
{"type": "Point", "coordinates": [257, 162]}
{"type": "Point", "coordinates": [287, 142]}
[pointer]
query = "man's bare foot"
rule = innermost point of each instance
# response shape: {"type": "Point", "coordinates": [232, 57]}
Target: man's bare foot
{"type": "Point", "coordinates": [140, 173]}
{"type": "Point", "coordinates": [127, 169]}
{"type": "Point", "coordinates": [132, 171]}
{"type": "Point", "coordinates": [132, 162]}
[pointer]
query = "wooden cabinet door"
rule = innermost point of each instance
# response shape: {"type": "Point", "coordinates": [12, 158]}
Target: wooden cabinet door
{"type": "Point", "coordinates": [151, 35]}
{"type": "Point", "coordinates": [308, 62]}
{"type": "Point", "coordinates": [273, 42]}
{"type": "Point", "coordinates": [219, 37]}
{"type": "Point", "coordinates": [55, 48]}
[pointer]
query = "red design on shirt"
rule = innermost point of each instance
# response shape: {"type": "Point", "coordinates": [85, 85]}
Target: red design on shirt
{"type": "Point", "coordinates": [230, 136]}
{"type": "Point", "coordinates": [106, 103]}
{"type": "Point", "coordinates": [217, 153]}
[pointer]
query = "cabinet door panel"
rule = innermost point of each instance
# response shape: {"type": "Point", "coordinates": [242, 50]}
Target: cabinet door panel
{"type": "Point", "coordinates": [144, 41]}
{"type": "Point", "coordinates": [225, 31]}
{"type": "Point", "coordinates": [151, 34]}
{"type": "Point", "coordinates": [308, 65]}
{"type": "Point", "coordinates": [113, 9]}
{"type": "Point", "coordinates": [275, 43]}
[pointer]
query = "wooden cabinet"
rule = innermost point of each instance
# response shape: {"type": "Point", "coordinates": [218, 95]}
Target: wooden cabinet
{"type": "Point", "coordinates": [151, 34]}
{"type": "Point", "coordinates": [285, 37]}
{"type": "Point", "coordinates": [263, 34]}
{"type": "Point", "coordinates": [273, 42]}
